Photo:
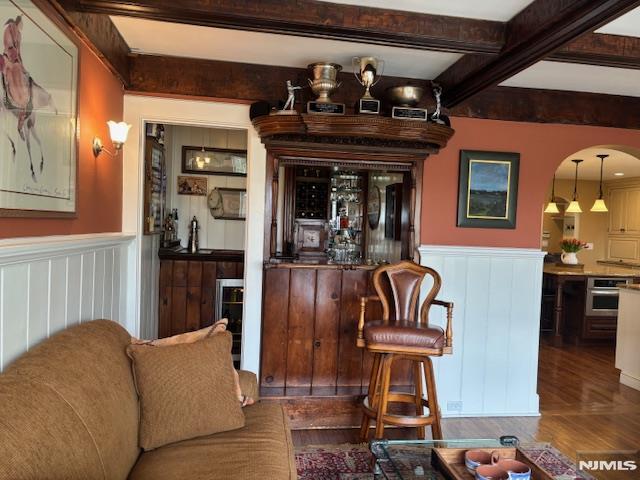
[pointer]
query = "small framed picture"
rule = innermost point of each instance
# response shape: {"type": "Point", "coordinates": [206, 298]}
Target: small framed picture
{"type": "Point", "coordinates": [192, 185]}
{"type": "Point", "coordinates": [228, 203]}
{"type": "Point", "coordinates": [310, 237]}
{"type": "Point", "coordinates": [214, 161]}
{"type": "Point", "coordinates": [488, 189]}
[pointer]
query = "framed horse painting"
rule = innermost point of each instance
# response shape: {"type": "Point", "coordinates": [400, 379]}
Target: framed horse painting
{"type": "Point", "coordinates": [38, 114]}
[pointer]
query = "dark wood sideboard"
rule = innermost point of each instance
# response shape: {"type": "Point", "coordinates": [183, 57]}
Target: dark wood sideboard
{"type": "Point", "coordinates": [310, 318]}
{"type": "Point", "coordinates": [187, 287]}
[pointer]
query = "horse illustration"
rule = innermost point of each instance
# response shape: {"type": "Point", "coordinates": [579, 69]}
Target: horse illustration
{"type": "Point", "coordinates": [22, 95]}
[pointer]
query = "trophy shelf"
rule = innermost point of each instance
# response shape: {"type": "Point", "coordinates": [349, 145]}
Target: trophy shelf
{"type": "Point", "coordinates": [381, 131]}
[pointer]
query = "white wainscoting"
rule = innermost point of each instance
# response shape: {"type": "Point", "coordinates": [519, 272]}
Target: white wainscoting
{"type": "Point", "coordinates": [496, 291]}
{"type": "Point", "coordinates": [50, 283]}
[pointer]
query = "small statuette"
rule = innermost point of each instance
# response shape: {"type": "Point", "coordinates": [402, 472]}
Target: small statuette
{"type": "Point", "coordinates": [324, 83]}
{"type": "Point", "coordinates": [288, 108]}
{"type": "Point", "coordinates": [366, 69]}
{"type": "Point", "coordinates": [437, 94]}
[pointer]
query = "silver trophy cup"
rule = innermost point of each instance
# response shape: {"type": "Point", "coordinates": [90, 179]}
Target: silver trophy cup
{"type": "Point", "coordinates": [368, 71]}
{"type": "Point", "coordinates": [324, 83]}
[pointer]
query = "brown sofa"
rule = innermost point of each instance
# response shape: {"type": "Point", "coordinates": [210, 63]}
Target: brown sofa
{"type": "Point", "coordinates": [69, 410]}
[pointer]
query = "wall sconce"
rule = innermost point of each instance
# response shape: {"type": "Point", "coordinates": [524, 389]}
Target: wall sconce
{"type": "Point", "coordinates": [118, 132]}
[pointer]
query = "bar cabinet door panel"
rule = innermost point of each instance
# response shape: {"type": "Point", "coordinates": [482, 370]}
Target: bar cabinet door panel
{"type": "Point", "coordinates": [178, 310]}
{"type": "Point", "coordinates": [302, 289]}
{"type": "Point", "coordinates": [164, 298]}
{"type": "Point", "coordinates": [274, 328]}
{"type": "Point", "coordinates": [354, 286]}
{"type": "Point", "coordinates": [327, 328]}
{"type": "Point", "coordinates": [207, 300]}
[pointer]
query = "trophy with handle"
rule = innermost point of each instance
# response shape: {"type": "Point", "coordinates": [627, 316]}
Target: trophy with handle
{"type": "Point", "coordinates": [368, 71]}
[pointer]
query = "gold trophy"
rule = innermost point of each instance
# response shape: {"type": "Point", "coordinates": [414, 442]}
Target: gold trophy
{"type": "Point", "coordinates": [366, 69]}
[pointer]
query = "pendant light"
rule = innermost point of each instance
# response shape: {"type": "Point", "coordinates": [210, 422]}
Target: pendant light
{"type": "Point", "coordinates": [574, 206]}
{"type": "Point", "coordinates": [553, 206]}
{"type": "Point", "coordinates": [202, 157]}
{"type": "Point", "coordinates": [599, 205]}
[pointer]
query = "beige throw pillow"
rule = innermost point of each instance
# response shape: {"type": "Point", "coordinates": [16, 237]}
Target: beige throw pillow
{"type": "Point", "coordinates": [185, 390]}
{"type": "Point", "coordinates": [190, 337]}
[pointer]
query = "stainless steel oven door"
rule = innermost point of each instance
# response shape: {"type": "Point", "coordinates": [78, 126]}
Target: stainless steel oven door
{"type": "Point", "coordinates": [602, 302]}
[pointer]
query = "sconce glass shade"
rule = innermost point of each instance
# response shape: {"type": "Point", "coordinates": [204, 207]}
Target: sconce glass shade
{"type": "Point", "coordinates": [552, 208]}
{"type": "Point", "coordinates": [574, 207]}
{"type": "Point", "coordinates": [599, 206]}
{"type": "Point", "coordinates": [119, 132]}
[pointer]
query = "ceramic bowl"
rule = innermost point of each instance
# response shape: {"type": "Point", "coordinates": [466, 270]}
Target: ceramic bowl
{"type": "Point", "coordinates": [491, 472]}
{"type": "Point", "coordinates": [517, 470]}
{"type": "Point", "coordinates": [474, 458]}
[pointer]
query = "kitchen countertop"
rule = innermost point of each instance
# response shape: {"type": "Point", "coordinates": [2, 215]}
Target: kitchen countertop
{"type": "Point", "coordinates": [596, 270]}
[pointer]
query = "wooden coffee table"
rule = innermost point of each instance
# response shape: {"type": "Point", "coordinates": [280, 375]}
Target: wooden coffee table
{"type": "Point", "coordinates": [444, 459]}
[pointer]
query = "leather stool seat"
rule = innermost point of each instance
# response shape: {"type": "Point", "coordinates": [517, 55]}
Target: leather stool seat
{"type": "Point", "coordinates": [404, 333]}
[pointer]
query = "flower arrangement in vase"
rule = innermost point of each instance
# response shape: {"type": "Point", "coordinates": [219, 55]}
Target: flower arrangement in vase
{"type": "Point", "coordinates": [570, 248]}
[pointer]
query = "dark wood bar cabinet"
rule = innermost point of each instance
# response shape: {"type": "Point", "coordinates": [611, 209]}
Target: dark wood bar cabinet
{"type": "Point", "coordinates": [320, 174]}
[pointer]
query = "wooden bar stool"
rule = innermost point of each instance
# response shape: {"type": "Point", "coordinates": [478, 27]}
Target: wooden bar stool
{"type": "Point", "coordinates": [403, 332]}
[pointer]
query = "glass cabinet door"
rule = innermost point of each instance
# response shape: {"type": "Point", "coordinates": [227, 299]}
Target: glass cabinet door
{"type": "Point", "coordinates": [229, 303]}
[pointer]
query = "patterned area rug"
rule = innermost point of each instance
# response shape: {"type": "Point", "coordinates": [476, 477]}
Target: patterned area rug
{"type": "Point", "coordinates": [355, 462]}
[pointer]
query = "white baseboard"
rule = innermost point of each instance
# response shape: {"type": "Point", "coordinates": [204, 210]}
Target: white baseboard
{"type": "Point", "coordinates": [629, 381]}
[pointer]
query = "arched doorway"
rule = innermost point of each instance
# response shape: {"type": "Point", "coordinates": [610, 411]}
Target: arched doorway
{"type": "Point", "coordinates": [621, 169]}
{"type": "Point", "coordinates": [579, 322]}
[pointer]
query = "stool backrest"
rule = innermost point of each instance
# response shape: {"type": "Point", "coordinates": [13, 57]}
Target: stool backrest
{"type": "Point", "coordinates": [398, 286]}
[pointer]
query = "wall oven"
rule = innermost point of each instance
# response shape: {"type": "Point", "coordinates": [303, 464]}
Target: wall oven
{"type": "Point", "coordinates": [603, 295]}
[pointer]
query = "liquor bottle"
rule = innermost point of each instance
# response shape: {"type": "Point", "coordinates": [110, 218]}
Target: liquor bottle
{"type": "Point", "coordinates": [175, 224]}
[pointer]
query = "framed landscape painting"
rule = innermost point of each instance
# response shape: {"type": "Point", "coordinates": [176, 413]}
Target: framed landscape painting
{"type": "Point", "coordinates": [488, 189]}
{"type": "Point", "coordinates": [38, 139]}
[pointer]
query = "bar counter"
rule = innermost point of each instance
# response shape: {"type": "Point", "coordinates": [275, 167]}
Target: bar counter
{"type": "Point", "coordinates": [319, 265]}
{"type": "Point", "coordinates": [202, 255]}
{"type": "Point", "coordinates": [596, 270]}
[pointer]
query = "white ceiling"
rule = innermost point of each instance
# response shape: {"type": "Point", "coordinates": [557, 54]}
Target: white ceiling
{"type": "Point", "coordinates": [499, 10]}
{"type": "Point", "coordinates": [163, 38]}
{"type": "Point", "coordinates": [590, 169]}
{"type": "Point", "coordinates": [578, 78]}
{"type": "Point", "coordinates": [628, 25]}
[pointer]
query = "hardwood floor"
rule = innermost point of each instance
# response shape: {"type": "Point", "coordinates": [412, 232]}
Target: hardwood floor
{"type": "Point", "coordinates": [583, 407]}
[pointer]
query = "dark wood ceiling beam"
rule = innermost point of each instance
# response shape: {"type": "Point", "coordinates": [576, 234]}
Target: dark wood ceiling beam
{"type": "Point", "coordinates": [100, 34]}
{"type": "Point", "coordinates": [310, 18]}
{"type": "Point", "coordinates": [243, 82]}
{"type": "Point", "coordinates": [601, 49]}
{"type": "Point", "coordinates": [536, 32]}
{"type": "Point", "coordinates": [551, 106]}
{"type": "Point", "coordinates": [370, 25]}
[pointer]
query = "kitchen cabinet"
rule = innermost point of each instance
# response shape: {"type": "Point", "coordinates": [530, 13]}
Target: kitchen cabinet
{"type": "Point", "coordinates": [624, 211]}
{"type": "Point", "coordinates": [623, 248]}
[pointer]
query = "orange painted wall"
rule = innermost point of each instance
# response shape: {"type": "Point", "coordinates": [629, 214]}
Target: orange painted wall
{"type": "Point", "coordinates": [542, 148]}
{"type": "Point", "coordinates": [99, 199]}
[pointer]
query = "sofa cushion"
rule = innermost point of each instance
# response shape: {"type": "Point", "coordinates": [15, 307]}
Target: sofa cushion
{"type": "Point", "coordinates": [41, 435]}
{"type": "Point", "coordinates": [88, 367]}
{"type": "Point", "coordinates": [186, 390]}
{"type": "Point", "coordinates": [261, 450]}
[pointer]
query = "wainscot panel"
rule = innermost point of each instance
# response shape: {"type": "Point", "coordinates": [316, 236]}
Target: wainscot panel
{"type": "Point", "coordinates": [494, 367]}
{"type": "Point", "coordinates": [51, 283]}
